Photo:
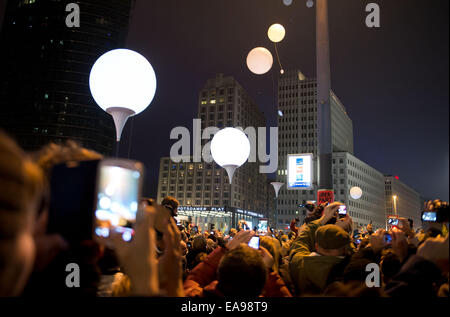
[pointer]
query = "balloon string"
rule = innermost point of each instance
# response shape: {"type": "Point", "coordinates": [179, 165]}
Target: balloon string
{"type": "Point", "coordinates": [278, 56]}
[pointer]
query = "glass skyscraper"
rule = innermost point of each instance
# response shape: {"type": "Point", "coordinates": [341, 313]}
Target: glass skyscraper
{"type": "Point", "coordinates": [44, 71]}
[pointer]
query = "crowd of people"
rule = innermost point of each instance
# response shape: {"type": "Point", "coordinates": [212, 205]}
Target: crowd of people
{"type": "Point", "coordinates": [323, 256]}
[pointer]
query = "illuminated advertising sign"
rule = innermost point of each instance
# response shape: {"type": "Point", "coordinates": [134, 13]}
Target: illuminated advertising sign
{"type": "Point", "coordinates": [300, 171]}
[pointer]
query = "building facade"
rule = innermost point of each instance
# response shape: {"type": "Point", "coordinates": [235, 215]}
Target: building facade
{"type": "Point", "coordinates": [44, 82]}
{"type": "Point", "coordinates": [402, 200]}
{"type": "Point", "coordinates": [204, 187]}
{"type": "Point", "coordinates": [348, 172]}
{"type": "Point", "coordinates": [297, 124]}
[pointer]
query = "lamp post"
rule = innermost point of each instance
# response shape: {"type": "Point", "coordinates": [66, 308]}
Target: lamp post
{"type": "Point", "coordinates": [395, 204]}
{"type": "Point", "coordinates": [122, 83]}
{"type": "Point", "coordinates": [230, 148]}
{"type": "Point", "coordinates": [325, 148]}
{"type": "Point", "coordinates": [277, 186]}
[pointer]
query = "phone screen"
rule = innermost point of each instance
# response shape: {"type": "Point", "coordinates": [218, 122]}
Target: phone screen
{"type": "Point", "coordinates": [262, 226]}
{"type": "Point", "coordinates": [117, 201]}
{"type": "Point", "coordinates": [254, 243]}
{"type": "Point", "coordinates": [393, 221]}
{"type": "Point", "coordinates": [342, 210]}
{"type": "Point", "coordinates": [429, 216]}
{"type": "Point", "coordinates": [387, 238]}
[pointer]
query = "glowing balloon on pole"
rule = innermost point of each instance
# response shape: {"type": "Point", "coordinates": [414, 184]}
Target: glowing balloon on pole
{"type": "Point", "coordinates": [230, 148]}
{"type": "Point", "coordinates": [287, 2]}
{"type": "Point", "coordinates": [122, 83]}
{"type": "Point", "coordinates": [276, 187]}
{"type": "Point", "coordinates": [276, 33]}
{"type": "Point", "coordinates": [356, 192]}
{"type": "Point", "coordinates": [259, 60]}
{"type": "Point", "coordinates": [310, 3]}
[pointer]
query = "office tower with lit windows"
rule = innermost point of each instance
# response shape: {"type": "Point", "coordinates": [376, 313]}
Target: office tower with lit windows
{"type": "Point", "coordinates": [402, 200]}
{"type": "Point", "coordinates": [45, 66]}
{"type": "Point", "coordinates": [203, 189]}
{"type": "Point", "coordinates": [297, 124]}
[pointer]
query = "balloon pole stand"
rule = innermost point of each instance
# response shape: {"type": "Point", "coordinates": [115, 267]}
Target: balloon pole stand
{"type": "Point", "coordinates": [117, 149]}
{"type": "Point", "coordinates": [230, 171]}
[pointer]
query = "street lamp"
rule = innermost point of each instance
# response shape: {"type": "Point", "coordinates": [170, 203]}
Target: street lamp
{"type": "Point", "coordinates": [276, 187]}
{"type": "Point", "coordinates": [230, 148]}
{"type": "Point", "coordinates": [122, 83]}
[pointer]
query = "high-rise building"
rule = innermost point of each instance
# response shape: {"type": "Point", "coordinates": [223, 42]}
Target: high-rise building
{"type": "Point", "coordinates": [45, 66]}
{"type": "Point", "coordinates": [297, 124]}
{"type": "Point", "coordinates": [402, 200]}
{"type": "Point", "coordinates": [348, 172]}
{"type": "Point", "coordinates": [202, 188]}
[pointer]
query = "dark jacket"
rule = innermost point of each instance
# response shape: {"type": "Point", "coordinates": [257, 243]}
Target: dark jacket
{"type": "Point", "coordinates": [416, 278]}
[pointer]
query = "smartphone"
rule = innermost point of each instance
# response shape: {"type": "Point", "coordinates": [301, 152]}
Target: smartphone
{"type": "Point", "coordinates": [119, 184]}
{"type": "Point", "coordinates": [254, 243]}
{"type": "Point", "coordinates": [429, 216]}
{"type": "Point", "coordinates": [342, 211]}
{"type": "Point", "coordinates": [387, 238]}
{"type": "Point", "coordinates": [72, 197]}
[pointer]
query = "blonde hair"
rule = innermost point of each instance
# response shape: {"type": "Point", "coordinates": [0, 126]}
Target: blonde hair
{"type": "Point", "coordinates": [273, 246]}
{"type": "Point", "coordinates": [121, 286]}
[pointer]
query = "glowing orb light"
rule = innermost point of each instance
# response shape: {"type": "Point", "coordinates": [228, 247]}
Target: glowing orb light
{"type": "Point", "coordinates": [230, 148]}
{"type": "Point", "coordinates": [276, 33]}
{"type": "Point", "coordinates": [356, 192]}
{"type": "Point", "coordinates": [122, 83]}
{"type": "Point", "coordinates": [259, 60]}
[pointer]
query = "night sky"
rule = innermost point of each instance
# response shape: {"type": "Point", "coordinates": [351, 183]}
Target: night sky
{"type": "Point", "coordinates": [392, 80]}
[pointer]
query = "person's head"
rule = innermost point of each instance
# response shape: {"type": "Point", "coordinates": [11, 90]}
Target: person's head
{"type": "Point", "coordinates": [284, 238]}
{"type": "Point", "coordinates": [199, 244]}
{"type": "Point", "coordinates": [172, 204]}
{"type": "Point", "coordinates": [331, 240]}
{"type": "Point", "coordinates": [315, 214]}
{"type": "Point", "coordinates": [233, 232]}
{"type": "Point", "coordinates": [273, 246]}
{"type": "Point", "coordinates": [21, 183]}
{"type": "Point", "coordinates": [390, 265]}
{"type": "Point", "coordinates": [210, 245]}
{"type": "Point", "coordinates": [369, 228]}
{"type": "Point", "coordinates": [242, 272]}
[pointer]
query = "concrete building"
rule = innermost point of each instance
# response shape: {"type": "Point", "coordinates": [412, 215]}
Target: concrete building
{"type": "Point", "coordinates": [297, 124]}
{"type": "Point", "coordinates": [402, 200]}
{"type": "Point", "coordinates": [349, 171]}
{"type": "Point", "coordinates": [202, 188]}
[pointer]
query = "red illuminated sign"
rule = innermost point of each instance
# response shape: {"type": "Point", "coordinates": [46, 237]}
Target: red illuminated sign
{"type": "Point", "coordinates": [325, 196]}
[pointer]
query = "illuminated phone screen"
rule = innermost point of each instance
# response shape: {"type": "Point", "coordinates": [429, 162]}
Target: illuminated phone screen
{"type": "Point", "coordinates": [254, 243]}
{"type": "Point", "coordinates": [429, 216]}
{"type": "Point", "coordinates": [117, 201]}
{"type": "Point", "coordinates": [342, 210]}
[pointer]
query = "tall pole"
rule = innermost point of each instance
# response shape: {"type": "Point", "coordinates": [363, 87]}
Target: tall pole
{"type": "Point", "coordinates": [325, 148]}
{"type": "Point", "coordinates": [395, 205]}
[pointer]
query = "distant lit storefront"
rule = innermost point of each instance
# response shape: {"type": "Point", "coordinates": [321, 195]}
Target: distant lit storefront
{"type": "Point", "coordinates": [222, 218]}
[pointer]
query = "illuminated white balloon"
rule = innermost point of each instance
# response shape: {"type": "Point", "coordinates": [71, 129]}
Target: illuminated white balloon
{"type": "Point", "coordinates": [230, 148]}
{"type": "Point", "coordinates": [259, 60]}
{"type": "Point", "coordinates": [287, 2]}
{"type": "Point", "coordinates": [356, 192]}
{"type": "Point", "coordinates": [310, 3]}
{"type": "Point", "coordinates": [276, 33]}
{"type": "Point", "coordinates": [123, 83]}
